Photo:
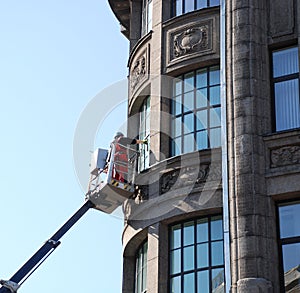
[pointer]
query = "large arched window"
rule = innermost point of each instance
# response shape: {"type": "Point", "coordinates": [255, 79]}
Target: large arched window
{"type": "Point", "coordinates": [141, 269]}
{"type": "Point", "coordinates": [196, 111]}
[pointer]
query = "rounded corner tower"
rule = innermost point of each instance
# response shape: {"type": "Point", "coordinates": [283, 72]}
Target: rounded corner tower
{"type": "Point", "coordinates": [214, 89]}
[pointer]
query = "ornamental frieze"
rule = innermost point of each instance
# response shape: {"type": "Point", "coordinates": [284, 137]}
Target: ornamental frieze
{"type": "Point", "coordinates": [284, 156]}
{"type": "Point", "coordinates": [138, 72]}
{"type": "Point", "coordinates": [183, 177]}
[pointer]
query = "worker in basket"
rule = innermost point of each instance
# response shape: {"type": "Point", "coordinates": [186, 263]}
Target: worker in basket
{"type": "Point", "coordinates": [121, 144]}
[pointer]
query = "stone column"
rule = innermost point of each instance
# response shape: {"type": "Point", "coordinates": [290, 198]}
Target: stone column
{"type": "Point", "coordinates": [252, 219]}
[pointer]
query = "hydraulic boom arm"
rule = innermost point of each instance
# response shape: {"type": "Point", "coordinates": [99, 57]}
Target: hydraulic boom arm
{"type": "Point", "coordinates": [13, 284]}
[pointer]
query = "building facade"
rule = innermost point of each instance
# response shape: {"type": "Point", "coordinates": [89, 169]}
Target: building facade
{"type": "Point", "coordinates": [214, 87]}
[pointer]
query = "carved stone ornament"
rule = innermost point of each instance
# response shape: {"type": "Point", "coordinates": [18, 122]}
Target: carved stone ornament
{"type": "Point", "coordinates": [183, 177]}
{"type": "Point", "coordinates": [138, 71]}
{"type": "Point", "coordinates": [190, 40]}
{"type": "Point", "coordinates": [285, 156]}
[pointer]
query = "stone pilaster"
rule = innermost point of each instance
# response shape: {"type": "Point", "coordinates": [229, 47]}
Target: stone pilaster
{"type": "Point", "coordinates": [251, 211]}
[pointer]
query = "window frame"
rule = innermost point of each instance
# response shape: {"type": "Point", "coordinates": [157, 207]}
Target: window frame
{"type": "Point", "coordinates": [174, 2]}
{"type": "Point", "coordinates": [209, 109]}
{"type": "Point", "coordinates": [196, 269]}
{"type": "Point", "coordinates": [284, 241]}
{"type": "Point", "coordinates": [282, 78]}
{"type": "Point", "coordinates": [141, 270]}
{"type": "Point", "coordinates": [147, 9]}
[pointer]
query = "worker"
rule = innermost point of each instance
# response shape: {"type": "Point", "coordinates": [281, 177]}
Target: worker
{"type": "Point", "coordinates": [121, 143]}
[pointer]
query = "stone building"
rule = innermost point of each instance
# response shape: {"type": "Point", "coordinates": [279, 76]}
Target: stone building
{"type": "Point", "coordinates": [214, 86]}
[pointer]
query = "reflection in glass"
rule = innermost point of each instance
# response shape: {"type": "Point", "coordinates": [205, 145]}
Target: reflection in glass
{"type": "Point", "coordinates": [175, 261]}
{"type": "Point", "coordinates": [202, 230]}
{"type": "Point", "coordinates": [291, 256]}
{"type": "Point", "coordinates": [216, 228]}
{"type": "Point", "coordinates": [176, 236]}
{"type": "Point", "coordinates": [218, 280]}
{"type": "Point", "coordinates": [189, 283]}
{"type": "Point", "coordinates": [202, 255]}
{"type": "Point", "coordinates": [289, 217]}
{"type": "Point", "coordinates": [188, 233]}
{"type": "Point", "coordinates": [217, 257]}
{"type": "Point", "coordinates": [285, 62]}
{"type": "Point", "coordinates": [188, 258]}
{"type": "Point", "coordinates": [203, 282]}
{"type": "Point", "coordinates": [176, 285]}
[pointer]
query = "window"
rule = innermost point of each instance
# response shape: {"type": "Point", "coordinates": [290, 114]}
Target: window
{"type": "Point", "coordinates": [289, 227]}
{"type": "Point", "coordinates": [286, 88]}
{"type": "Point", "coordinates": [141, 269]}
{"type": "Point", "coordinates": [196, 256]}
{"type": "Point", "coordinates": [196, 111]}
{"type": "Point", "coordinates": [185, 6]}
{"type": "Point", "coordinates": [144, 133]}
{"type": "Point", "coordinates": [146, 16]}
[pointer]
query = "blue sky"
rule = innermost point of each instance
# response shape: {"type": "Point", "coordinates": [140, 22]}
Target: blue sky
{"type": "Point", "coordinates": [55, 57]}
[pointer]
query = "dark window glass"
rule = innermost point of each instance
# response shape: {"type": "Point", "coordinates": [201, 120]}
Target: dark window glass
{"type": "Point", "coordinates": [196, 111]}
{"type": "Point", "coordinates": [286, 88]}
{"type": "Point", "coordinates": [196, 256]}
{"type": "Point", "coordinates": [289, 219]}
{"type": "Point", "coordinates": [185, 6]}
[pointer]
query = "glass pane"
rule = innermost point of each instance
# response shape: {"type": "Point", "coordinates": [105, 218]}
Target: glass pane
{"type": "Point", "coordinates": [216, 227]}
{"type": "Point", "coordinates": [177, 146]}
{"type": "Point", "coordinates": [188, 80]}
{"type": "Point", "coordinates": [214, 75]}
{"type": "Point", "coordinates": [188, 258]}
{"type": "Point", "coordinates": [214, 3]}
{"type": "Point", "coordinates": [189, 283]}
{"type": "Point", "coordinates": [215, 117]}
{"type": "Point", "coordinates": [175, 236]}
{"type": "Point", "coordinates": [202, 255]}
{"type": "Point", "coordinates": [188, 143]}
{"type": "Point", "coordinates": [214, 95]}
{"type": "Point", "coordinates": [202, 230]}
{"type": "Point", "coordinates": [218, 283]}
{"type": "Point", "coordinates": [177, 127]}
{"type": "Point", "coordinates": [149, 24]}
{"type": "Point", "coordinates": [201, 122]}
{"type": "Point", "coordinates": [217, 253]}
{"type": "Point", "coordinates": [201, 98]}
{"type": "Point", "coordinates": [215, 137]}
{"type": "Point", "coordinates": [188, 233]}
{"type": "Point", "coordinates": [188, 101]}
{"type": "Point", "coordinates": [203, 282]}
{"type": "Point", "coordinates": [289, 219]}
{"type": "Point", "coordinates": [201, 4]}
{"type": "Point", "coordinates": [285, 62]}
{"type": "Point", "coordinates": [189, 5]}
{"type": "Point", "coordinates": [201, 77]}
{"type": "Point", "coordinates": [178, 7]}
{"type": "Point", "coordinates": [291, 256]}
{"type": "Point", "coordinates": [202, 142]}
{"type": "Point", "coordinates": [177, 105]}
{"type": "Point", "coordinates": [188, 123]}
{"type": "Point", "coordinates": [177, 87]}
{"type": "Point", "coordinates": [287, 105]}
{"type": "Point", "coordinates": [175, 261]}
{"type": "Point", "coordinates": [176, 285]}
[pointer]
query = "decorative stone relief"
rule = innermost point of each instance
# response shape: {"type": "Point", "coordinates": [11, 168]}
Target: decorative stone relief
{"type": "Point", "coordinates": [284, 156]}
{"type": "Point", "coordinates": [183, 177]}
{"type": "Point", "coordinates": [190, 40]}
{"type": "Point", "coordinates": [138, 71]}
